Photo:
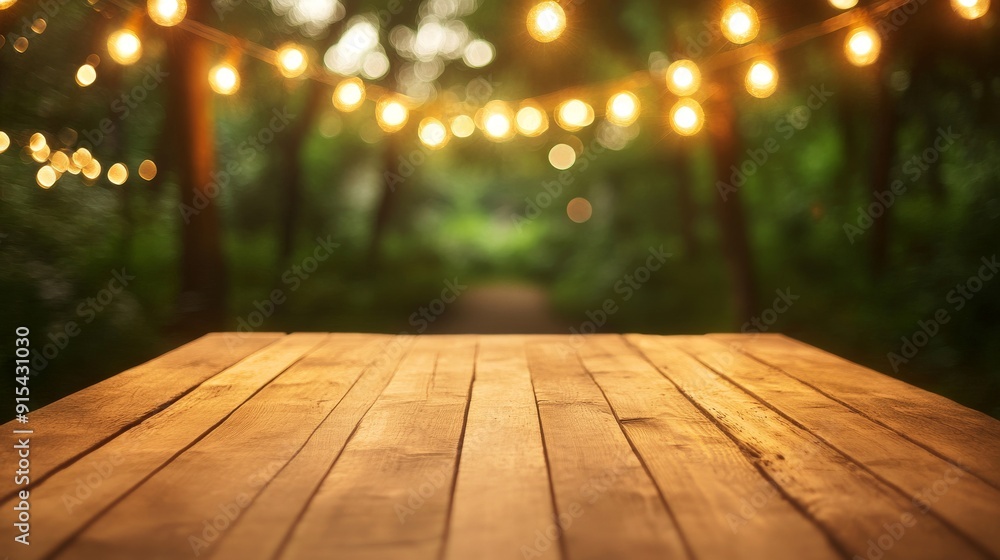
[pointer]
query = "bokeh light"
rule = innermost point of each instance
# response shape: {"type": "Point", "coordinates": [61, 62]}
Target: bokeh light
{"type": "Point", "coordinates": [843, 4]}
{"type": "Point", "coordinates": [562, 156]}
{"type": "Point", "coordinates": [92, 170]}
{"type": "Point", "coordinates": [971, 9]}
{"type": "Point", "coordinates": [224, 79]}
{"type": "Point", "coordinates": [623, 108]}
{"type": "Point", "coordinates": [762, 79]}
{"type": "Point", "coordinates": [86, 75]}
{"type": "Point", "coordinates": [46, 176]}
{"type": "Point", "coordinates": [4, 4]}
{"type": "Point", "coordinates": [349, 94]}
{"type": "Point", "coordinates": [579, 210]}
{"type": "Point", "coordinates": [433, 133]}
{"type": "Point", "coordinates": [37, 142]}
{"type": "Point", "coordinates": [531, 120]}
{"type": "Point", "coordinates": [463, 126]}
{"type": "Point", "coordinates": [4, 142]}
{"type": "Point", "coordinates": [574, 115]}
{"type": "Point", "coordinates": [683, 78]}
{"type": "Point", "coordinates": [118, 174]}
{"type": "Point", "coordinates": [292, 60]}
{"type": "Point", "coordinates": [124, 47]}
{"type": "Point", "coordinates": [496, 120]}
{"type": "Point", "coordinates": [740, 23]}
{"type": "Point", "coordinates": [687, 117]}
{"type": "Point", "coordinates": [147, 170]}
{"type": "Point", "coordinates": [546, 22]}
{"type": "Point", "coordinates": [391, 114]}
{"type": "Point", "coordinates": [862, 46]}
{"type": "Point", "coordinates": [166, 12]}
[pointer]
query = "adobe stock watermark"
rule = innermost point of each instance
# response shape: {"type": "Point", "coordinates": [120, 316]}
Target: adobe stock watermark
{"type": "Point", "coordinates": [785, 128]}
{"type": "Point", "coordinates": [553, 190]}
{"type": "Point", "coordinates": [87, 484]}
{"type": "Point", "coordinates": [248, 149]}
{"type": "Point", "coordinates": [913, 168]}
{"type": "Point", "coordinates": [958, 297]}
{"type": "Point", "coordinates": [785, 300]}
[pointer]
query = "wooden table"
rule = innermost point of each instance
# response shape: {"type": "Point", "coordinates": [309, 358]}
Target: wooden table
{"type": "Point", "coordinates": [506, 447]}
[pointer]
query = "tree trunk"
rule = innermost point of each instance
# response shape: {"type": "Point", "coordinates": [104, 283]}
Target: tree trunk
{"type": "Point", "coordinates": [725, 142]}
{"type": "Point", "coordinates": [387, 201]}
{"type": "Point", "coordinates": [201, 304]}
{"type": "Point", "coordinates": [686, 208]}
{"type": "Point", "coordinates": [884, 153]}
{"type": "Point", "coordinates": [291, 161]}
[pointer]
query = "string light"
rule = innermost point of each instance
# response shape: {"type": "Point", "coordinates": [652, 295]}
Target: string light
{"type": "Point", "coordinates": [166, 12]}
{"type": "Point", "coordinates": [971, 9]}
{"type": "Point", "coordinates": [574, 115]}
{"type": "Point", "coordinates": [118, 174]}
{"type": "Point", "coordinates": [292, 60]}
{"type": "Point", "coordinates": [762, 79]}
{"type": "Point", "coordinates": [862, 46]}
{"type": "Point", "coordinates": [546, 22]}
{"type": "Point", "coordinates": [687, 117]}
{"type": "Point", "coordinates": [224, 79]}
{"type": "Point", "coordinates": [92, 170]}
{"type": "Point", "coordinates": [349, 95]}
{"type": "Point", "coordinates": [683, 78]}
{"type": "Point", "coordinates": [843, 4]}
{"type": "Point", "coordinates": [740, 23]}
{"type": "Point", "coordinates": [623, 108]}
{"type": "Point", "coordinates": [82, 158]}
{"type": "Point", "coordinates": [495, 119]}
{"type": "Point", "coordinates": [391, 114]}
{"type": "Point", "coordinates": [4, 142]}
{"type": "Point", "coordinates": [4, 4]}
{"type": "Point", "coordinates": [41, 155]}
{"type": "Point", "coordinates": [531, 120]}
{"type": "Point", "coordinates": [86, 75]}
{"type": "Point", "coordinates": [463, 126]}
{"type": "Point", "coordinates": [46, 177]}
{"type": "Point", "coordinates": [124, 47]}
{"type": "Point", "coordinates": [433, 133]}
{"type": "Point", "coordinates": [147, 170]}
{"type": "Point", "coordinates": [59, 161]}
{"type": "Point", "coordinates": [37, 142]}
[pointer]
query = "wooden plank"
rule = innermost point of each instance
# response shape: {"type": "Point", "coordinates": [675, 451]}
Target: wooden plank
{"type": "Point", "coordinates": [262, 528]}
{"type": "Point", "coordinates": [860, 513]}
{"type": "Point", "coordinates": [725, 507]}
{"type": "Point", "coordinates": [389, 493]}
{"type": "Point", "coordinates": [961, 435]}
{"type": "Point", "coordinates": [181, 510]}
{"type": "Point", "coordinates": [502, 496]}
{"type": "Point", "coordinates": [73, 496]}
{"type": "Point", "coordinates": [77, 423]}
{"type": "Point", "coordinates": [607, 504]}
{"type": "Point", "coordinates": [961, 499]}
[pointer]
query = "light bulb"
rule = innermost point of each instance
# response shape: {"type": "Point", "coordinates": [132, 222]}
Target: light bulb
{"type": "Point", "coordinates": [740, 23]}
{"type": "Point", "coordinates": [762, 79]}
{"type": "Point", "coordinates": [166, 12]}
{"type": "Point", "coordinates": [124, 47]}
{"type": "Point", "coordinates": [687, 117]}
{"type": "Point", "coordinates": [546, 22]}
{"type": "Point", "coordinates": [496, 121]}
{"type": "Point", "coordinates": [349, 94]}
{"type": "Point", "coordinates": [433, 133]}
{"type": "Point", "coordinates": [292, 60]}
{"type": "Point", "coordinates": [623, 108]}
{"type": "Point", "coordinates": [971, 9]}
{"type": "Point", "coordinates": [531, 121]}
{"type": "Point", "coordinates": [391, 114]}
{"type": "Point", "coordinates": [683, 78]}
{"type": "Point", "coordinates": [224, 79]}
{"type": "Point", "coordinates": [862, 46]}
{"type": "Point", "coordinates": [574, 115]}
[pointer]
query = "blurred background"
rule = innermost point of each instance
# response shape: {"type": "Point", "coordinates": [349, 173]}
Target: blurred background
{"type": "Point", "coordinates": [849, 209]}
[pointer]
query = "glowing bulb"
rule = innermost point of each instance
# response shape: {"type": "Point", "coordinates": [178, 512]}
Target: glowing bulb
{"type": "Point", "coordinates": [349, 95]}
{"type": "Point", "coordinates": [82, 158]}
{"type": "Point", "coordinates": [37, 142]}
{"type": "Point", "coordinates": [124, 47]}
{"type": "Point", "coordinates": [292, 60]}
{"type": "Point", "coordinates": [687, 117]}
{"type": "Point", "coordinates": [46, 176]}
{"type": "Point", "coordinates": [740, 23]}
{"type": "Point", "coordinates": [147, 170]}
{"type": "Point", "coordinates": [531, 121]}
{"type": "Point", "coordinates": [463, 126]}
{"type": "Point", "coordinates": [862, 46]}
{"type": "Point", "coordinates": [86, 75]}
{"type": "Point", "coordinates": [623, 108]}
{"type": "Point", "coordinates": [224, 79]}
{"type": "Point", "coordinates": [762, 79]}
{"type": "Point", "coordinates": [118, 174]}
{"type": "Point", "coordinates": [391, 114]}
{"type": "Point", "coordinates": [4, 4]}
{"type": "Point", "coordinates": [496, 120]}
{"type": "Point", "coordinates": [562, 156]}
{"type": "Point", "coordinates": [59, 161]}
{"type": "Point", "coordinates": [433, 133]}
{"type": "Point", "coordinates": [574, 115]}
{"type": "Point", "coordinates": [546, 22]}
{"type": "Point", "coordinates": [4, 142]}
{"type": "Point", "coordinates": [92, 170]}
{"type": "Point", "coordinates": [683, 78]}
{"type": "Point", "coordinates": [843, 4]}
{"type": "Point", "coordinates": [166, 12]}
{"type": "Point", "coordinates": [971, 9]}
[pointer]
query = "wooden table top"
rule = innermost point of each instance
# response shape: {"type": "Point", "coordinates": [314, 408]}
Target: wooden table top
{"type": "Point", "coordinates": [352, 446]}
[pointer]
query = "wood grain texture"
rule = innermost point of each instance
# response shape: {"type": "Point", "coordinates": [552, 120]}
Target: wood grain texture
{"type": "Point", "coordinates": [713, 488]}
{"type": "Point", "coordinates": [854, 507]}
{"type": "Point", "coordinates": [78, 423]}
{"type": "Point", "coordinates": [961, 435]}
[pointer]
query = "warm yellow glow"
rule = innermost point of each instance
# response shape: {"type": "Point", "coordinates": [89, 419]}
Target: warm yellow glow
{"type": "Point", "coordinates": [531, 121]}
{"type": "Point", "coordinates": [843, 4]}
{"type": "Point", "coordinates": [118, 174]}
{"type": "Point", "coordinates": [971, 9]}
{"type": "Point", "coordinates": [687, 117]}
{"type": "Point", "coordinates": [579, 210]}
{"type": "Point", "coordinates": [82, 158]}
{"type": "Point", "coordinates": [574, 115]}
{"type": "Point", "coordinates": [862, 46]}
{"type": "Point", "coordinates": [391, 114]}
{"type": "Point", "coordinates": [166, 12]}
{"type": "Point", "coordinates": [463, 126]}
{"type": "Point", "coordinates": [562, 156]}
{"type": "Point", "coordinates": [224, 79]}
{"type": "Point", "coordinates": [683, 78]}
{"type": "Point", "coordinates": [433, 133]}
{"type": "Point", "coordinates": [349, 95]}
{"type": "Point", "coordinates": [740, 23]}
{"type": "Point", "coordinates": [41, 155]}
{"type": "Point", "coordinates": [762, 79]}
{"type": "Point", "coordinates": [46, 176]}
{"type": "Point", "coordinates": [623, 108]}
{"type": "Point", "coordinates": [86, 75]}
{"type": "Point", "coordinates": [21, 44]}
{"type": "Point", "coordinates": [92, 170]}
{"type": "Point", "coordinates": [37, 142]}
{"type": "Point", "coordinates": [292, 60]}
{"type": "Point", "coordinates": [147, 170]}
{"type": "Point", "coordinates": [124, 47]}
{"type": "Point", "coordinates": [59, 161]}
{"type": "Point", "coordinates": [4, 142]}
{"type": "Point", "coordinates": [546, 22]}
{"type": "Point", "coordinates": [4, 4]}
{"type": "Point", "coordinates": [496, 120]}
